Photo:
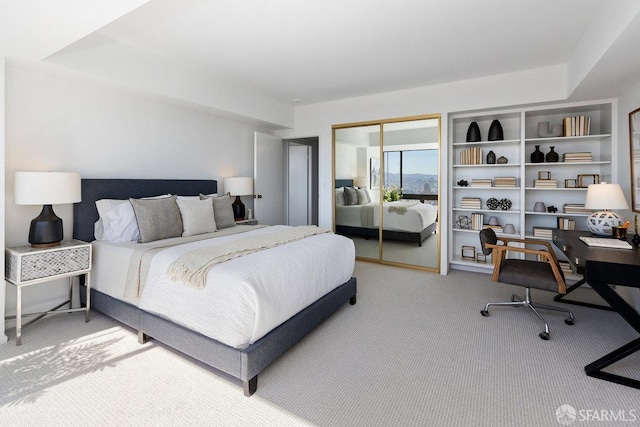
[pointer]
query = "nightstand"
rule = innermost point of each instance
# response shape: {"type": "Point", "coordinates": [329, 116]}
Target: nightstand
{"type": "Point", "coordinates": [248, 222]}
{"type": "Point", "coordinates": [27, 266]}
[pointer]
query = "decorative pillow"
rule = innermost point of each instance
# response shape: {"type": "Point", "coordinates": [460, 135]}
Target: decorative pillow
{"type": "Point", "coordinates": [340, 196]}
{"type": "Point", "coordinates": [157, 218]}
{"type": "Point", "coordinates": [366, 190]}
{"type": "Point", "coordinates": [197, 216]}
{"type": "Point", "coordinates": [120, 224]}
{"type": "Point", "coordinates": [222, 211]}
{"type": "Point", "coordinates": [350, 196]}
{"type": "Point", "coordinates": [362, 196]}
{"type": "Point", "coordinates": [195, 197]}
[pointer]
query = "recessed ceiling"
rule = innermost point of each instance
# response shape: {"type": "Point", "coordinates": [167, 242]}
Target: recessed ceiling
{"type": "Point", "coordinates": [318, 51]}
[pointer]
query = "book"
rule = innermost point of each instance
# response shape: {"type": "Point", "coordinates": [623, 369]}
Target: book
{"type": "Point", "coordinates": [603, 242]}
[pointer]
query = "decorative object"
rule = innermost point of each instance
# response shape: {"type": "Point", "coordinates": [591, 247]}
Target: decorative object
{"type": "Point", "coordinates": [391, 194]}
{"type": "Point", "coordinates": [502, 160]}
{"type": "Point", "coordinates": [463, 222]}
{"type": "Point", "coordinates": [463, 183]}
{"type": "Point", "coordinates": [552, 156]}
{"type": "Point", "coordinates": [595, 179]}
{"type": "Point", "coordinates": [605, 197]}
{"type": "Point", "coordinates": [636, 236]}
{"type": "Point", "coordinates": [539, 207]}
{"type": "Point", "coordinates": [473, 133]}
{"type": "Point", "coordinates": [495, 131]}
{"type": "Point", "coordinates": [545, 130]}
{"type": "Point", "coordinates": [481, 258]}
{"type": "Point", "coordinates": [238, 186]}
{"type": "Point", "coordinates": [493, 221]}
{"type": "Point", "coordinates": [47, 189]}
{"type": "Point", "coordinates": [570, 183]}
{"type": "Point", "coordinates": [493, 203]}
{"type": "Point", "coordinates": [619, 233]}
{"type": "Point", "coordinates": [544, 174]}
{"type": "Point", "coordinates": [509, 229]}
{"type": "Point", "coordinates": [469, 253]}
{"type": "Point", "coordinates": [491, 157]}
{"type": "Point", "coordinates": [537, 156]}
{"type": "Point", "coordinates": [374, 173]}
{"type": "Point", "coordinates": [505, 204]}
{"type": "Point", "coordinates": [552, 209]}
{"type": "Point", "coordinates": [634, 155]}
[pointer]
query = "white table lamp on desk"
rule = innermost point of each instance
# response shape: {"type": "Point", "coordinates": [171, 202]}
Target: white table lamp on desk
{"type": "Point", "coordinates": [605, 197]}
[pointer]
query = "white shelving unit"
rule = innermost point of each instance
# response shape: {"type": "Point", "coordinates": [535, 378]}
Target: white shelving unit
{"type": "Point", "coordinates": [520, 127]}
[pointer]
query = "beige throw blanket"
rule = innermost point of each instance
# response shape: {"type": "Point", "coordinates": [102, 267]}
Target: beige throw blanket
{"type": "Point", "coordinates": [401, 207]}
{"type": "Point", "coordinates": [192, 268]}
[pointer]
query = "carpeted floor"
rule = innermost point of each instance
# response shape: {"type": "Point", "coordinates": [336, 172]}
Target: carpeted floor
{"type": "Point", "coordinates": [414, 351]}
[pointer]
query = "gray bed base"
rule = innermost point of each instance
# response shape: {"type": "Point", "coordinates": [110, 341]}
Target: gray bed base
{"type": "Point", "coordinates": [243, 364]}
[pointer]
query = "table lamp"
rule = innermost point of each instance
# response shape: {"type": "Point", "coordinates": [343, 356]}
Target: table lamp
{"type": "Point", "coordinates": [47, 189]}
{"type": "Point", "coordinates": [238, 186]}
{"type": "Point", "coordinates": [605, 197]}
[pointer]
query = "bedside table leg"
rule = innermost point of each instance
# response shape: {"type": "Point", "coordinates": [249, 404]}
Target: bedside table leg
{"type": "Point", "coordinates": [87, 280]}
{"type": "Point", "coordinates": [70, 292]}
{"type": "Point", "coordinates": [18, 315]}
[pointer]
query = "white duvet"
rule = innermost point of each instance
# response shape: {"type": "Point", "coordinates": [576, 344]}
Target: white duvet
{"type": "Point", "coordinates": [247, 297]}
{"type": "Point", "coordinates": [415, 218]}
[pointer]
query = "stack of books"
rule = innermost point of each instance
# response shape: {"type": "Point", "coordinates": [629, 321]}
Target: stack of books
{"type": "Point", "coordinates": [577, 126]}
{"type": "Point", "coordinates": [545, 183]}
{"type": "Point", "coordinates": [471, 156]}
{"type": "Point", "coordinates": [566, 223]}
{"type": "Point", "coordinates": [481, 183]}
{"type": "Point", "coordinates": [565, 266]}
{"type": "Point", "coordinates": [471, 203]}
{"type": "Point", "coordinates": [505, 181]}
{"type": "Point", "coordinates": [584, 156]}
{"type": "Point", "coordinates": [575, 208]}
{"type": "Point", "coordinates": [544, 232]}
{"type": "Point", "coordinates": [477, 221]}
{"type": "Point", "coordinates": [496, 228]}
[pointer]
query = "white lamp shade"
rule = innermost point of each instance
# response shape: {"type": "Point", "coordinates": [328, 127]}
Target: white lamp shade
{"type": "Point", "coordinates": [46, 188]}
{"type": "Point", "coordinates": [605, 196]}
{"type": "Point", "coordinates": [239, 185]}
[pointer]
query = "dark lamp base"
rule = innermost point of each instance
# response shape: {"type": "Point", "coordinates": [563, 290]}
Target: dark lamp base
{"type": "Point", "coordinates": [46, 229]}
{"type": "Point", "coordinates": [238, 209]}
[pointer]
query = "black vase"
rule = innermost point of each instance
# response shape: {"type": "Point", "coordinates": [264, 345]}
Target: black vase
{"type": "Point", "coordinates": [491, 158]}
{"type": "Point", "coordinates": [537, 156]}
{"type": "Point", "coordinates": [552, 156]}
{"type": "Point", "coordinates": [495, 131]}
{"type": "Point", "coordinates": [473, 133]}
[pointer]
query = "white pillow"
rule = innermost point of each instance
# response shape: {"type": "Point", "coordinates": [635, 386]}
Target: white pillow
{"type": "Point", "coordinates": [120, 224]}
{"type": "Point", "coordinates": [197, 216]}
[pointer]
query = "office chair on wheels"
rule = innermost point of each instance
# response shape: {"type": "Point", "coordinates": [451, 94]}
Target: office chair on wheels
{"type": "Point", "coordinates": [544, 274]}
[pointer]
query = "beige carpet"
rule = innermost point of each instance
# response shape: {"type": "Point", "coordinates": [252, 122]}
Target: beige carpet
{"type": "Point", "coordinates": [414, 351]}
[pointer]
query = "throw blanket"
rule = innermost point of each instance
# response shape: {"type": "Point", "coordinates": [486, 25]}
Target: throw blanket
{"type": "Point", "coordinates": [192, 268]}
{"type": "Point", "coordinates": [401, 207]}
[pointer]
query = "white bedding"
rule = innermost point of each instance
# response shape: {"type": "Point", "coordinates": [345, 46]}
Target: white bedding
{"type": "Point", "coordinates": [417, 217]}
{"type": "Point", "coordinates": [244, 298]}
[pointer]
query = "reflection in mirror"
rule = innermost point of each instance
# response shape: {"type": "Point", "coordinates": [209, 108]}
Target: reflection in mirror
{"type": "Point", "coordinates": [393, 167]}
{"type": "Point", "coordinates": [634, 144]}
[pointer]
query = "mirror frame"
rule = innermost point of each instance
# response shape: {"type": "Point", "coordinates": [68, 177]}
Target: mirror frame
{"type": "Point", "coordinates": [634, 158]}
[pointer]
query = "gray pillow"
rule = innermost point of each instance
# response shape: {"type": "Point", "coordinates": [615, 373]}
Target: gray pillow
{"type": "Point", "coordinates": [222, 211]}
{"type": "Point", "coordinates": [157, 218]}
{"type": "Point", "coordinates": [197, 216]}
{"type": "Point", "coordinates": [363, 198]}
{"type": "Point", "coordinates": [350, 196]}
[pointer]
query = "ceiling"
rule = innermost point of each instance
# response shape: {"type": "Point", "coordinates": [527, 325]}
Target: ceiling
{"type": "Point", "coordinates": [315, 51]}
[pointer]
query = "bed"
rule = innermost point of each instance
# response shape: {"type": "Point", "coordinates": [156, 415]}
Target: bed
{"type": "Point", "coordinates": [239, 359]}
{"type": "Point", "coordinates": [408, 220]}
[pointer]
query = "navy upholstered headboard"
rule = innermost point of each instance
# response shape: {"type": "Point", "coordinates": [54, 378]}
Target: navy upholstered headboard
{"type": "Point", "coordinates": [344, 183]}
{"type": "Point", "coordinates": [85, 213]}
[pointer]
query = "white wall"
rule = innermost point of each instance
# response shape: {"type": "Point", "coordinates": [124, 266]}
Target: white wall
{"type": "Point", "coordinates": [59, 124]}
{"type": "Point", "coordinates": [3, 337]}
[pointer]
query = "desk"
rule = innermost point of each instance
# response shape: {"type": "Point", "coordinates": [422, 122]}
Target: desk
{"type": "Point", "coordinates": [601, 268]}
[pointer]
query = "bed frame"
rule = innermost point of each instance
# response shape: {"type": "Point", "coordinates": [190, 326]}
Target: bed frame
{"type": "Point", "coordinates": [406, 236]}
{"type": "Point", "coordinates": [243, 364]}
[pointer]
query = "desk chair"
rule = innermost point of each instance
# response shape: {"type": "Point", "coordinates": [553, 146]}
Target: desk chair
{"type": "Point", "coordinates": [545, 274]}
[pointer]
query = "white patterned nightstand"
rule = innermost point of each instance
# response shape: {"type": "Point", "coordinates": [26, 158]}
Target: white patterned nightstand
{"type": "Point", "coordinates": [26, 266]}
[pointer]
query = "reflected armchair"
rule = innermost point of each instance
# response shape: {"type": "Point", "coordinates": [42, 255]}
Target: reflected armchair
{"type": "Point", "coordinates": [544, 274]}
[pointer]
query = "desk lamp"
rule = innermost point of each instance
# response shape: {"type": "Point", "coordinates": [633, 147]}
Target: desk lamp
{"type": "Point", "coordinates": [238, 186]}
{"type": "Point", "coordinates": [47, 189]}
{"type": "Point", "coordinates": [605, 197]}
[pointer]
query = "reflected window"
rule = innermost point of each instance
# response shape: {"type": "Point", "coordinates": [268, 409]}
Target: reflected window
{"type": "Point", "coordinates": [415, 171]}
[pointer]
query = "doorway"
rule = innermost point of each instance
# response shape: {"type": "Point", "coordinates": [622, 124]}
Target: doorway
{"type": "Point", "coordinates": [302, 181]}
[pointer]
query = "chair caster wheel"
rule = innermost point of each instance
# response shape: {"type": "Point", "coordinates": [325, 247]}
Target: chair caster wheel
{"type": "Point", "coordinates": [544, 336]}
{"type": "Point", "coordinates": [568, 321]}
{"type": "Point", "coordinates": [485, 313]}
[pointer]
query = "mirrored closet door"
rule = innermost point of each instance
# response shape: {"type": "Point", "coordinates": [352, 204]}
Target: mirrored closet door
{"type": "Point", "coordinates": [387, 187]}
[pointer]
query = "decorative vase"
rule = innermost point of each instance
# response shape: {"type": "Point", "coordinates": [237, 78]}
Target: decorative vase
{"type": "Point", "coordinates": [495, 131]}
{"type": "Point", "coordinates": [539, 207]}
{"type": "Point", "coordinates": [537, 156]}
{"type": "Point", "coordinates": [491, 158]}
{"type": "Point", "coordinates": [473, 133]}
{"type": "Point", "coordinates": [552, 156]}
{"type": "Point", "coordinates": [502, 160]}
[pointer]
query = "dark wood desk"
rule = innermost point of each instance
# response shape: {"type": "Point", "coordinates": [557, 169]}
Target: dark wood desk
{"type": "Point", "coordinates": [601, 268]}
